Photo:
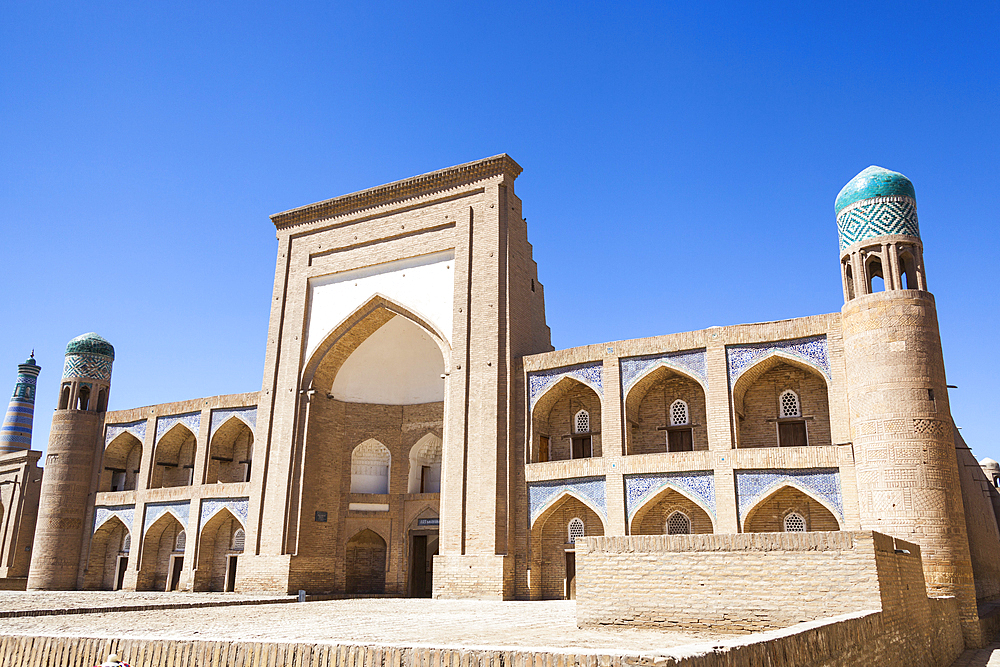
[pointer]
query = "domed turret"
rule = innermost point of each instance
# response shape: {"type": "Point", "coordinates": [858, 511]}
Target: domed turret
{"type": "Point", "coordinates": [86, 377]}
{"type": "Point", "coordinates": [880, 246]}
{"type": "Point", "coordinates": [90, 343]}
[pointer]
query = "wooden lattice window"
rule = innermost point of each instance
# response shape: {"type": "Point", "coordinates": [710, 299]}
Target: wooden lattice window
{"type": "Point", "coordinates": [795, 523]}
{"type": "Point", "coordinates": [678, 523]}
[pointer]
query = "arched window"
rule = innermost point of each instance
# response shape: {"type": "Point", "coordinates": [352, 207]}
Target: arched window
{"type": "Point", "coordinates": [181, 541]}
{"type": "Point", "coordinates": [795, 523]}
{"type": "Point", "coordinates": [849, 279]}
{"type": "Point", "coordinates": [83, 399]}
{"type": "Point", "coordinates": [788, 404]}
{"type": "Point", "coordinates": [64, 398]}
{"type": "Point", "coordinates": [678, 523]}
{"type": "Point", "coordinates": [907, 271]}
{"type": "Point", "coordinates": [370, 463]}
{"type": "Point", "coordinates": [126, 543]}
{"type": "Point", "coordinates": [239, 539]}
{"type": "Point", "coordinates": [679, 413]}
{"type": "Point", "coordinates": [575, 529]}
{"type": "Point", "coordinates": [581, 423]}
{"type": "Point", "coordinates": [876, 280]}
{"type": "Point", "coordinates": [102, 399]}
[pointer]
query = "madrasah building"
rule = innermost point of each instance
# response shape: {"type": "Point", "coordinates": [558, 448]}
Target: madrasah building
{"type": "Point", "coordinates": [416, 434]}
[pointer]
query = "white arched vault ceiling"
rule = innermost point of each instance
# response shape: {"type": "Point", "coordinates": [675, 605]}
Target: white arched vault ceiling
{"type": "Point", "coordinates": [399, 364]}
{"type": "Point", "coordinates": [425, 285]}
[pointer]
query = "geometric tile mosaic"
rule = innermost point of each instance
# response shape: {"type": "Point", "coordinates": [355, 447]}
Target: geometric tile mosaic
{"type": "Point", "coordinates": [240, 508]}
{"type": "Point", "coordinates": [154, 511]}
{"type": "Point", "coordinates": [753, 485]}
{"type": "Point", "coordinates": [588, 374]}
{"type": "Point", "coordinates": [191, 419]}
{"type": "Point", "coordinates": [811, 350]}
{"type": "Point", "coordinates": [877, 217]}
{"type": "Point", "coordinates": [700, 484]}
{"type": "Point", "coordinates": [219, 417]}
{"type": "Point", "coordinates": [542, 494]}
{"type": "Point", "coordinates": [691, 363]}
{"type": "Point", "coordinates": [91, 366]}
{"type": "Point", "coordinates": [136, 428]}
{"type": "Point", "coordinates": [125, 514]}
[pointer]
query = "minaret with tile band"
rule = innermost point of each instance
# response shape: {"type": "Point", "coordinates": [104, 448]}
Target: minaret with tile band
{"type": "Point", "coordinates": [15, 433]}
{"type": "Point", "coordinates": [74, 442]}
{"type": "Point", "coordinates": [901, 427]}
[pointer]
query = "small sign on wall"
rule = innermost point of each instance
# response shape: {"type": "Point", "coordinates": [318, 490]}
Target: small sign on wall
{"type": "Point", "coordinates": [321, 517]}
{"type": "Point", "coordinates": [428, 522]}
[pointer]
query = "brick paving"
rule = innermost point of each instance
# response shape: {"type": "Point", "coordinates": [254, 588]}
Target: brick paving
{"type": "Point", "coordinates": [984, 657]}
{"type": "Point", "coordinates": [36, 601]}
{"type": "Point", "coordinates": [404, 622]}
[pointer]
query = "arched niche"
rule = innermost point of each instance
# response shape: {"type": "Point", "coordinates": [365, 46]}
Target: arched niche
{"type": "Point", "coordinates": [425, 465]}
{"type": "Point", "coordinates": [553, 559]}
{"type": "Point", "coordinates": [555, 419]}
{"type": "Point", "coordinates": [651, 517]}
{"type": "Point", "coordinates": [122, 458]}
{"type": "Point", "coordinates": [768, 514]}
{"type": "Point", "coordinates": [371, 463]}
{"type": "Point", "coordinates": [365, 563]}
{"type": "Point", "coordinates": [757, 404]}
{"type": "Point", "coordinates": [649, 426]}
{"type": "Point", "coordinates": [173, 458]}
{"type": "Point", "coordinates": [158, 568]}
{"type": "Point", "coordinates": [216, 568]}
{"type": "Point", "coordinates": [109, 554]}
{"type": "Point", "coordinates": [230, 453]}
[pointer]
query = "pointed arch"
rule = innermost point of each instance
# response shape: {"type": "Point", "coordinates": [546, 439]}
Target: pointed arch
{"type": "Point", "coordinates": [230, 452]}
{"type": "Point", "coordinates": [104, 563]}
{"type": "Point", "coordinates": [322, 367]}
{"type": "Point", "coordinates": [122, 458]}
{"type": "Point", "coordinates": [637, 514]}
{"type": "Point", "coordinates": [173, 457]}
{"type": "Point", "coordinates": [767, 362]}
{"type": "Point", "coordinates": [552, 555]}
{"type": "Point", "coordinates": [157, 552]}
{"type": "Point", "coordinates": [215, 542]}
{"type": "Point", "coordinates": [371, 463]}
{"type": "Point", "coordinates": [648, 411]}
{"type": "Point", "coordinates": [558, 499]}
{"type": "Point", "coordinates": [748, 516]}
{"type": "Point", "coordinates": [553, 418]}
{"type": "Point", "coordinates": [425, 465]}
{"type": "Point", "coordinates": [365, 562]}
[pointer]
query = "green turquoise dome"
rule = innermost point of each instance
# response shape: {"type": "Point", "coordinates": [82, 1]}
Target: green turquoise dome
{"type": "Point", "coordinates": [90, 343]}
{"type": "Point", "coordinates": [874, 182]}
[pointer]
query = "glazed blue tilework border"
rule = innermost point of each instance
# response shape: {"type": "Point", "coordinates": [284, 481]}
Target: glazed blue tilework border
{"type": "Point", "coordinates": [752, 485]}
{"type": "Point", "coordinates": [126, 513]}
{"type": "Point", "coordinates": [92, 366]}
{"type": "Point", "coordinates": [219, 417]}
{"type": "Point", "coordinates": [155, 510]}
{"type": "Point", "coordinates": [877, 217]}
{"type": "Point", "coordinates": [691, 362]}
{"type": "Point", "coordinates": [543, 494]}
{"type": "Point", "coordinates": [240, 507]}
{"type": "Point", "coordinates": [812, 350]}
{"type": "Point", "coordinates": [190, 419]}
{"type": "Point", "coordinates": [588, 374]}
{"type": "Point", "coordinates": [136, 428]}
{"type": "Point", "coordinates": [700, 484]}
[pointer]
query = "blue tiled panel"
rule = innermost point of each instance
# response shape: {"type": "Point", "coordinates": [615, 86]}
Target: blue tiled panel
{"type": "Point", "coordinates": [868, 219]}
{"type": "Point", "coordinates": [812, 350]}
{"type": "Point", "coordinates": [191, 419]}
{"type": "Point", "coordinates": [700, 484]}
{"type": "Point", "coordinates": [136, 428]}
{"type": "Point", "coordinates": [588, 374]}
{"type": "Point", "coordinates": [92, 366]}
{"type": "Point", "coordinates": [240, 507]}
{"type": "Point", "coordinates": [543, 494]}
{"type": "Point", "coordinates": [691, 362]}
{"type": "Point", "coordinates": [752, 485]}
{"type": "Point", "coordinates": [248, 416]}
{"type": "Point", "coordinates": [124, 512]}
{"type": "Point", "coordinates": [154, 511]}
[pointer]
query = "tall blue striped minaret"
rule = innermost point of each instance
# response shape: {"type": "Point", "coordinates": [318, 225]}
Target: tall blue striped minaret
{"type": "Point", "coordinates": [15, 433]}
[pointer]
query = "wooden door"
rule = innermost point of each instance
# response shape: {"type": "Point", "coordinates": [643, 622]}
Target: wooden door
{"type": "Point", "coordinates": [570, 575]}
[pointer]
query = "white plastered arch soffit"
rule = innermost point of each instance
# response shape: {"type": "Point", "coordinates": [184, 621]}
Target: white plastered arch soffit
{"type": "Point", "coordinates": [424, 285]}
{"type": "Point", "coordinates": [790, 484]}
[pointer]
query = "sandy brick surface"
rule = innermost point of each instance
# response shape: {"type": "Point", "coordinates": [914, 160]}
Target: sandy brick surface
{"type": "Point", "coordinates": [409, 622]}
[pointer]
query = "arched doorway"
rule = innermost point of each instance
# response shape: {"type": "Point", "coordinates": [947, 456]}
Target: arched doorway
{"type": "Point", "coordinates": [365, 563]}
{"type": "Point", "coordinates": [222, 540]}
{"type": "Point", "coordinates": [109, 553]}
{"type": "Point", "coordinates": [230, 453]}
{"type": "Point", "coordinates": [121, 463]}
{"type": "Point", "coordinates": [173, 458]}
{"type": "Point", "coordinates": [553, 555]}
{"type": "Point", "coordinates": [162, 561]}
{"type": "Point", "coordinates": [566, 423]}
{"type": "Point", "coordinates": [665, 412]}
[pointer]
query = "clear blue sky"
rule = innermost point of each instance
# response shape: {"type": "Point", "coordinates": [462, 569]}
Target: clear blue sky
{"type": "Point", "coordinates": [681, 163]}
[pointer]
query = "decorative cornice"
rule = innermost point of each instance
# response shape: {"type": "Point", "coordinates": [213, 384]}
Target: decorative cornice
{"type": "Point", "coordinates": [400, 190]}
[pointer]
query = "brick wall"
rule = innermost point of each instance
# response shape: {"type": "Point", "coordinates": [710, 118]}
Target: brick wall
{"type": "Point", "coordinates": [760, 406]}
{"type": "Point", "coordinates": [647, 412]}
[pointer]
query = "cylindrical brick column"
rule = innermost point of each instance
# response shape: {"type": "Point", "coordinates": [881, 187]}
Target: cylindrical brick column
{"type": "Point", "coordinates": [74, 441]}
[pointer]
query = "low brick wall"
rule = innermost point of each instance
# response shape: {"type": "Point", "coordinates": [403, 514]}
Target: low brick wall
{"type": "Point", "coordinates": [14, 584]}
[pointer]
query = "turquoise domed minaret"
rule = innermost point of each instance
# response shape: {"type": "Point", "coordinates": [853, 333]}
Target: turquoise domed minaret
{"type": "Point", "coordinates": [15, 433]}
{"type": "Point", "coordinates": [86, 378]}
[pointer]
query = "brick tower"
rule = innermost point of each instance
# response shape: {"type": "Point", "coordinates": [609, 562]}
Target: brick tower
{"type": "Point", "coordinates": [15, 433]}
{"type": "Point", "coordinates": [69, 463]}
{"type": "Point", "coordinates": [901, 425]}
